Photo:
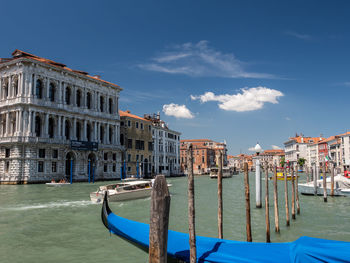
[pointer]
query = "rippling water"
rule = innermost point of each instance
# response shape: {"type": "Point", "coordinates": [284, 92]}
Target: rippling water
{"type": "Point", "coordinates": [60, 224]}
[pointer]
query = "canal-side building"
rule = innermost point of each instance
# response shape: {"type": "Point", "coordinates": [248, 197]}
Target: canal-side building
{"type": "Point", "coordinates": [136, 136]}
{"type": "Point", "coordinates": [166, 147]}
{"type": "Point", "coordinates": [56, 122]}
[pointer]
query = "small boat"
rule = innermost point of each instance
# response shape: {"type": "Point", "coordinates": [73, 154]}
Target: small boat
{"type": "Point", "coordinates": [341, 186]}
{"type": "Point", "coordinates": [126, 190]}
{"type": "Point", "coordinates": [226, 172]}
{"type": "Point", "coordinates": [214, 250]}
{"type": "Point", "coordinates": [56, 184]}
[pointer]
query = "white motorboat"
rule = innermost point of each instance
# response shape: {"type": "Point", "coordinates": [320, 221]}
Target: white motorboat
{"type": "Point", "coordinates": [341, 186]}
{"type": "Point", "coordinates": [56, 184]}
{"type": "Point", "coordinates": [226, 172]}
{"type": "Point", "coordinates": [126, 190]}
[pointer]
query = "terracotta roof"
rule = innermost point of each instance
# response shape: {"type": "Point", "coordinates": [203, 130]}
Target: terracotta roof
{"type": "Point", "coordinates": [197, 140]}
{"type": "Point", "coordinates": [343, 134]}
{"type": "Point", "coordinates": [301, 139]}
{"type": "Point", "coordinates": [128, 114]}
{"type": "Point", "coordinates": [328, 139]}
{"type": "Point", "coordinates": [21, 54]}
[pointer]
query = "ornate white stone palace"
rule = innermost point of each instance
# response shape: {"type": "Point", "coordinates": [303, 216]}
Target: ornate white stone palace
{"type": "Point", "coordinates": [44, 107]}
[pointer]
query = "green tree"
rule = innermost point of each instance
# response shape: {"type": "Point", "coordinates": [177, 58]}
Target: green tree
{"type": "Point", "coordinates": [283, 161]}
{"type": "Point", "coordinates": [301, 162]}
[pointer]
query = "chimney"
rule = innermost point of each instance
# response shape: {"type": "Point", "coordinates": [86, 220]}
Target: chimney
{"type": "Point", "coordinates": [158, 115]}
{"type": "Point", "coordinates": [127, 111]}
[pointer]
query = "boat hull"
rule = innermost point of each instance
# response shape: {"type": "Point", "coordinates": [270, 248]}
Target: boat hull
{"type": "Point", "coordinates": [56, 184]}
{"type": "Point", "coordinates": [97, 197]}
{"type": "Point", "coordinates": [307, 189]}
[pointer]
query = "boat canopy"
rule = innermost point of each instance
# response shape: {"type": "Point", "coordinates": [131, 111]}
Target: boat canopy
{"type": "Point", "coordinates": [304, 249]}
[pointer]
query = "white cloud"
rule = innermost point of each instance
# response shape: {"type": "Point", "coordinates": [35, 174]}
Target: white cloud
{"type": "Point", "coordinates": [178, 111]}
{"type": "Point", "coordinates": [298, 35]}
{"type": "Point", "coordinates": [288, 119]}
{"type": "Point", "coordinates": [275, 147]}
{"type": "Point", "coordinates": [199, 60]}
{"type": "Point", "coordinates": [248, 100]}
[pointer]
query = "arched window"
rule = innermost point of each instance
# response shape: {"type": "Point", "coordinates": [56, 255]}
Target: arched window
{"type": "Point", "coordinates": [110, 106]}
{"type": "Point", "coordinates": [121, 139]}
{"type": "Point", "coordinates": [67, 130]}
{"type": "Point", "coordinates": [88, 100]}
{"type": "Point", "coordinates": [88, 132]}
{"type": "Point", "coordinates": [101, 103]}
{"type": "Point", "coordinates": [37, 126]}
{"type": "Point", "coordinates": [78, 131]}
{"type": "Point", "coordinates": [102, 131]}
{"type": "Point", "coordinates": [68, 95]}
{"type": "Point", "coordinates": [6, 89]}
{"type": "Point", "coordinates": [110, 134]}
{"type": "Point", "coordinates": [39, 89]}
{"type": "Point", "coordinates": [51, 127]}
{"type": "Point", "coordinates": [52, 90]}
{"type": "Point", "coordinates": [78, 98]}
{"type": "Point", "coordinates": [15, 83]}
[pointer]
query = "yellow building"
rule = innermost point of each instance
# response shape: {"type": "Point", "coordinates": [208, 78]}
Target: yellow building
{"type": "Point", "coordinates": [136, 137]}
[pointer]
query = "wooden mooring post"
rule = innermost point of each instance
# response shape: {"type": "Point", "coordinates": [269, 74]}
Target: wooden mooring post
{"type": "Point", "coordinates": [267, 212]}
{"type": "Point", "coordinates": [293, 192]}
{"type": "Point", "coordinates": [324, 178]}
{"type": "Point", "coordinates": [247, 203]}
{"type": "Point", "coordinates": [275, 197]}
{"type": "Point", "coordinates": [297, 191]}
{"type": "Point", "coordinates": [315, 177]}
{"type": "Point", "coordinates": [286, 196]}
{"type": "Point", "coordinates": [158, 230]}
{"type": "Point", "coordinates": [332, 178]}
{"type": "Point", "coordinates": [220, 206]}
{"type": "Point", "coordinates": [191, 210]}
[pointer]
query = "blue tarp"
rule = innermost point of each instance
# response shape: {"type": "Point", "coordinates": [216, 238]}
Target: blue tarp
{"type": "Point", "coordinates": [304, 249]}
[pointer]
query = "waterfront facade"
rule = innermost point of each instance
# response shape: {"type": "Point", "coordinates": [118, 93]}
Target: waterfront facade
{"type": "Point", "coordinates": [166, 147]}
{"type": "Point", "coordinates": [272, 157]}
{"type": "Point", "coordinates": [56, 122]}
{"type": "Point", "coordinates": [136, 136]}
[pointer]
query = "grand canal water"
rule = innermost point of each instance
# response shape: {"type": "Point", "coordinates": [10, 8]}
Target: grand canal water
{"type": "Point", "coordinates": [44, 224]}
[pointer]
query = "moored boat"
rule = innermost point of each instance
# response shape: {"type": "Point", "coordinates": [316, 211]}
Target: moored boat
{"type": "Point", "coordinates": [341, 186]}
{"type": "Point", "coordinates": [226, 172]}
{"type": "Point", "coordinates": [56, 184]}
{"type": "Point", "coordinates": [304, 249]}
{"type": "Point", "coordinates": [126, 190]}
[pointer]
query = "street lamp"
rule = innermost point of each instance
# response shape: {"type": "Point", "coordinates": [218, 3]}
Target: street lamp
{"type": "Point", "coordinates": [257, 149]}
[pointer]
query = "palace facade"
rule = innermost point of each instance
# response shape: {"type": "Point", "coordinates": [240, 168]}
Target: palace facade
{"type": "Point", "coordinates": [56, 122]}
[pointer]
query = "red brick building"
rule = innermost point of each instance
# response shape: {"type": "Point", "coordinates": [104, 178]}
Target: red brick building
{"type": "Point", "coordinates": [205, 154]}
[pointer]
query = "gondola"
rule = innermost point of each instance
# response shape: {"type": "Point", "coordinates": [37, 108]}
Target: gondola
{"type": "Point", "coordinates": [304, 249]}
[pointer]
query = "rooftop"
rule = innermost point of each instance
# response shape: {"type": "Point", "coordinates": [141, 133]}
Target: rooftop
{"type": "Point", "coordinates": [128, 114]}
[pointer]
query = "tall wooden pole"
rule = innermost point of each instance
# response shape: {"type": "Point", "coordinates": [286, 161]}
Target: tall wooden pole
{"type": "Point", "coordinates": [315, 177]}
{"type": "Point", "coordinates": [220, 208]}
{"type": "Point", "coordinates": [247, 203]}
{"type": "Point", "coordinates": [297, 191]}
{"type": "Point", "coordinates": [324, 183]}
{"type": "Point", "coordinates": [267, 212]}
{"type": "Point", "coordinates": [191, 210]}
{"type": "Point", "coordinates": [286, 196]}
{"type": "Point", "coordinates": [293, 192]}
{"type": "Point", "coordinates": [332, 178]}
{"type": "Point", "coordinates": [275, 196]}
{"type": "Point", "coordinates": [158, 230]}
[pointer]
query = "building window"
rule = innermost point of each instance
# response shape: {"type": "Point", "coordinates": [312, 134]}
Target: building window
{"type": "Point", "coordinates": [110, 134]}
{"type": "Point", "coordinates": [141, 158]}
{"type": "Point", "coordinates": [129, 169]}
{"type": "Point", "coordinates": [139, 145]}
{"type": "Point", "coordinates": [149, 127]}
{"type": "Point", "coordinates": [102, 131]}
{"type": "Point", "coordinates": [129, 157]}
{"type": "Point", "coordinates": [55, 153]}
{"type": "Point", "coordinates": [137, 125]}
{"type": "Point", "coordinates": [52, 92]}
{"type": "Point", "coordinates": [40, 166]}
{"type": "Point", "coordinates": [141, 126]}
{"type": "Point", "coordinates": [105, 156]}
{"type": "Point", "coordinates": [51, 128]}
{"type": "Point", "coordinates": [110, 106]}
{"type": "Point", "coordinates": [122, 139]}
{"type": "Point", "coordinates": [129, 123]}
{"type": "Point", "coordinates": [101, 103]}
{"type": "Point", "coordinates": [114, 156]}
{"type": "Point", "coordinates": [67, 129]}
{"type": "Point", "coordinates": [7, 152]}
{"type": "Point", "coordinates": [68, 96]}
{"type": "Point", "coordinates": [39, 89]}
{"type": "Point", "coordinates": [7, 168]}
{"type": "Point", "coordinates": [41, 153]}
{"type": "Point", "coordinates": [129, 143]}
{"type": "Point", "coordinates": [88, 100]}
{"type": "Point", "coordinates": [114, 167]}
{"type": "Point", "coordinates": [78, 98]}
{"type": "Point", "coordinates": [137, 157]}
{"type": "Point", "coordinates": [78, 131]}
{"type": "Point", "coordinates": [88, 132]}
{"type": "Point", "coordinates": [105, 168]}
{"type": "Point", "coordinates": [54, 167]}
{"type": "Point", "coordinates": [37, 126]}
{"type": "Point", "coordinates": [150, 146]}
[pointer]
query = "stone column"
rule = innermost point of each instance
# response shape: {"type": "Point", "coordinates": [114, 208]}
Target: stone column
{"type": "Point", "coordinates": [9, 89]}
{"type": "Point", "coordinates": [15, 133]}
{"type": "Point", "coordinates": [32, 92]}
{"type": "Point", "coordinates": [30, 123]}
{"type": "Point", "coordinates": [63, 93]}
{"type": "Point", "coordinates": [107, 133]}
{"type": "Point", "coordinates": [116, 137]}
{"type": "Point", "coordinates": [47, 88]}
{"type": "Point", "coordinates": [59, 133]}
{"type": "Point", "coordinates": [84, 131]}
{"type": "Point", "coordinates": [98, 101]}
{"type": "Point", "coordinates": [22, 85]}
{"type": "Point", "coordinates": [1, 88]}
{"type": "Point", "coordinates": [20, 115]}
{"type": "Point", "coordinates": [74, 129]}
{"type": "Point", "coordinates": [117, 105]}
{"type": "Point", "coordinates": [74, 95]}
{"type": "Point", "coordinates": [7, 124]}
{"type": "Point", "coordinates": [98, 132]}
{"type": "Point", "coordinates": [95, 131]}
{"type": "Point", "coordinates": [59, 92]}
{"type": "Point", "coordinates": [64, 127]}
{"type": "Point", "coordinates": [24, 123]}
{"type": "Point", "coordinates": [46, 132]}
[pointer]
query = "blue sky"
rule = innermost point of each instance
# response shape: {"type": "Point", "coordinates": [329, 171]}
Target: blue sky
{"type": "Point", "coordinates": [240, 71]}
